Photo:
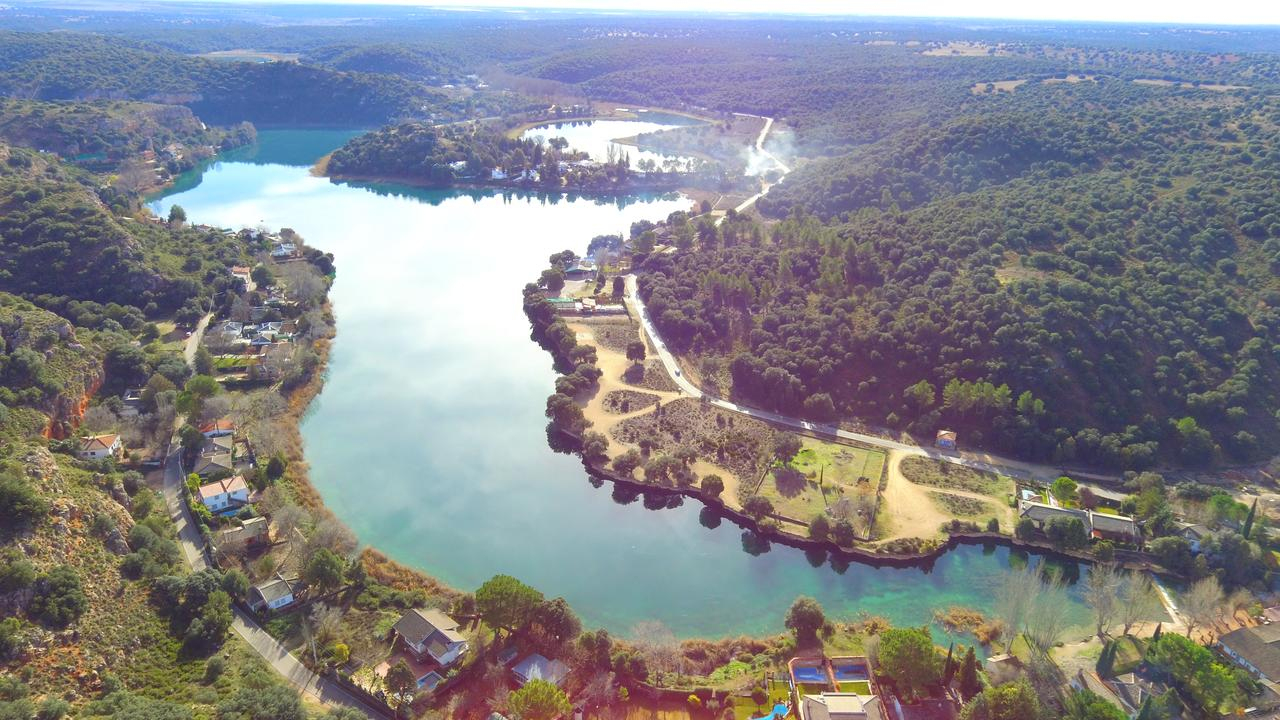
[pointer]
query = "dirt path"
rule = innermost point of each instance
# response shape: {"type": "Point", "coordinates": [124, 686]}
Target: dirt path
{"type": "Point", "coordinates": [613, 364]}
{"type": "Point", "coordinates": [907, 509]}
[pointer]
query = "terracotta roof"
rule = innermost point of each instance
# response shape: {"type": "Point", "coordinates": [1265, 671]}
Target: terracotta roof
{"type": "Point", "coordinates": [98, 442]}
{"type": "Point", "coordinates": [219, 425]}
{"type": "Point", "coordinates": [218, 487]}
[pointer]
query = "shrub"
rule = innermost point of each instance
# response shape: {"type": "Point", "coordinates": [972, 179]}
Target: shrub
{"type": "Point", "coordinates": [20, 506]}
{"type": "Point", "coordinates": [16, 571]}
{"type": "Point", "coordinates": [59, 598]}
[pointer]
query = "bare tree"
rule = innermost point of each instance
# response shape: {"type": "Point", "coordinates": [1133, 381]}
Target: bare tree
{"type": "Point", "coordinates": [1015, 593]}
{"type": "Point", "coordinates": [1202, 603]}
{"type": "Point", "coordinates": [241, 311]}
{"type": "Point", "coordinates": [303, 282]}
{"type": "Point", "coordinates": [216, 407]}
{"type": "Point", "coordinates": [1138, 600]}
{"type": "Point", "coordinates": [332, 535]}
{"type": "Point", "coordinates": [1047, 617]}
{"type": "Point", "coordinates": [135, 176]}
{"type": "Point", "coordinates": [1101, 594]}
{"type": "Point", "coordinates": [99, 419]}
{"type": "Point", "coordinates": [288, 518]}
{"type": "Point", "coordinates": [326, 621]}
{"type": "Point", "coordinates": [657, 643]}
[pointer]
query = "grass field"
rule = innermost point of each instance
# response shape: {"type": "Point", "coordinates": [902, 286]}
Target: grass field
{"type": "Point", "coordinates": [745, 709]}
{"type": "Point", "coordinates": [821, 475]}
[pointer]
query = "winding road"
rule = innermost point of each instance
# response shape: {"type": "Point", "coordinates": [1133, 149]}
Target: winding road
{"type": "Point", "coordinates": [990, 463]}
{"type": "Point", "coordinates": [759, 148]}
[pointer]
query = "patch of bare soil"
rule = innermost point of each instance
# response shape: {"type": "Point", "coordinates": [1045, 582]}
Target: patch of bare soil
{"type": "Point", "coordinates": [614, 335]}
{"type": "Point", "coordinates": [734, 442]}
{"type": "Point", "coordinates": [621, 402]}
{"type": "Point", "coordinates": [651, 375]}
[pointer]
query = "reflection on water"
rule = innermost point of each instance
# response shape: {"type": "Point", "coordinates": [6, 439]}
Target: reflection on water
{"type": "Point", "coordinates": [429, 438]}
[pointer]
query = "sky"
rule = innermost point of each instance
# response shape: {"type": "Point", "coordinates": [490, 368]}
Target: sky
{"type": "Point", "coordinates": [1224, 12]}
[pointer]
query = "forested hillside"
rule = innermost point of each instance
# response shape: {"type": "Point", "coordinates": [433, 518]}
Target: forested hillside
{"type": "Point", "coordinates": [67, 66]}
{"type": "Point", "coordinates": [1096, 286]}
{"type": "Point", "coordinates": [59, 237]}
{"type": "Point", "coordinates": [104, 134]}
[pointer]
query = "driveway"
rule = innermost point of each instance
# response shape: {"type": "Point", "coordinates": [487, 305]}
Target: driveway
{"type": "Point", "coordinates": [297, 674]}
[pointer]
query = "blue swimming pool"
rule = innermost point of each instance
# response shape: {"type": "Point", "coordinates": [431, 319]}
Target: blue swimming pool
{"type": "Point", "coordinates": [779, 711]}
{"type": "Point", "coordinates": [808, 673]}
{"type": "Point", "coordinates": [850, 672]}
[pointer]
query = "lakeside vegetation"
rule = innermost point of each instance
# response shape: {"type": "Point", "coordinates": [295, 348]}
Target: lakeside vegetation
{"type": "Point", "coordinates": [851, 306]}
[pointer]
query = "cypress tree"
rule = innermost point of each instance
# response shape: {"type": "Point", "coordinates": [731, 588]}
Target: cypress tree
{"type": "Point", "coordinates": [948, 668]}
{"type": "Point", "coordinates": [1247, 528]}
{"type": "Point", "coordinates": [969, 683]}
{"type": "Point", "coordinates": [1107, 660]}
{"type": "Point", "coordinates": [1156, 635]}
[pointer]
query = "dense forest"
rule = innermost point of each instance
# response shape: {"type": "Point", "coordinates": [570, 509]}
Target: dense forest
{"type": "Point", "coordinates": [63, 235]}
{"type": "Point", "coordinates": [68, 66]}
{"type": "Point", "coordinates": [1095, 286]}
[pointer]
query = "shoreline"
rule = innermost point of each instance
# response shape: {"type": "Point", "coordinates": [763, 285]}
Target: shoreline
{"type": "Point", "coordinates": [389, 571]}
{"type": "Point", "coordinates": [614, 111]}
{"type": "Point", "coordinates": [320, 169]}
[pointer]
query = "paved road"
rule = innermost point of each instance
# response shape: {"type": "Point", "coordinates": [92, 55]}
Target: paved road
{"type": "Point", "coordinates": [992, 463]}
{"type": "Point", "coordinates": [764, 184]}
{"type": "Point", "coordinates": [298, 675]}
{"type": "Point", "coordinates": [193, 342]}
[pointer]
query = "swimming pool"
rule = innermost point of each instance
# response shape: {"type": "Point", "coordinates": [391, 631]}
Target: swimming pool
{"type": "Point", "coordinates": [429, 681]}
{"type": "Point", "coordinates": [808, 673]}
{"type": "Point", "coordinates": [851, 671]}
{"type": "Point", "coordinates": [779, 710]}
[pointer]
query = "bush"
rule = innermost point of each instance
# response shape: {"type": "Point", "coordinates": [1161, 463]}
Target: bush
{"type": "Point", "coordinates": [16, 571]}
{"type": "Point", "coordinates": [20, 506]}
{"type": "Point", "coordinates": [213, 668]}
{"type": "Point", "coordinates": [59, 598]}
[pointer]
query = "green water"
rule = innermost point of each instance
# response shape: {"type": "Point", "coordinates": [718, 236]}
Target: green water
{"type": "Point", "coordinates": [428, 439]}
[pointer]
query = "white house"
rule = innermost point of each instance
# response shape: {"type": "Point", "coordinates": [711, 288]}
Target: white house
{"type": "Point", "coordinates": [223, 495]}
{"type": "Point", "coordinates": [273, 594]}
{"type": "Point", "coordinates": [97, 447]}
{"type": "Point", "coordinates": [841, 706]}
{"type": "Point", "coordinates": [433, 634]}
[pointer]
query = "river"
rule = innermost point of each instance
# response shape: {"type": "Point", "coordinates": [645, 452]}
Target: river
{"type": "Point", "coordinates": [428, 439]}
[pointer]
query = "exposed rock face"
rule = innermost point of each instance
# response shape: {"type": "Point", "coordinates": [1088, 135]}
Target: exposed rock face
{"type": "Point", "coordinates": [115, 542]}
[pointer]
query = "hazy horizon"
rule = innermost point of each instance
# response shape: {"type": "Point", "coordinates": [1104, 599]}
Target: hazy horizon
{"type": "Point", "coordinates": [1231, 13]}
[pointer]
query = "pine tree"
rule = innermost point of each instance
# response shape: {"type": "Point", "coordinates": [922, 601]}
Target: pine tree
{"type": "Point", "coordinates": [969, 683]}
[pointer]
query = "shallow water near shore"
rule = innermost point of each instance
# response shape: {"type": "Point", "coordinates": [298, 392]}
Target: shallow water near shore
{"type": "Point", "coordinates": [429, 439]}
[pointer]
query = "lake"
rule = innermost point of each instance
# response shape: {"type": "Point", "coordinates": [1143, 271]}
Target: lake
{"type": "Point", "coordinates": [595, 137]}
{"type": "Point", "coordinates": [429, 439]}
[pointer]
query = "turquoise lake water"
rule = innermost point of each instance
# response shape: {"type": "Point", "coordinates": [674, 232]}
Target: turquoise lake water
{"type": "Point", "coordinates": [429, 440]}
